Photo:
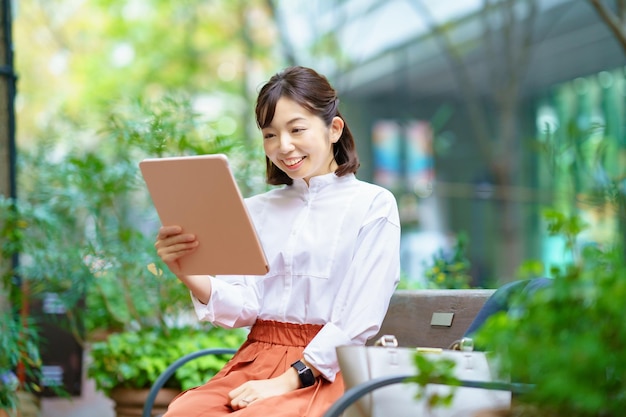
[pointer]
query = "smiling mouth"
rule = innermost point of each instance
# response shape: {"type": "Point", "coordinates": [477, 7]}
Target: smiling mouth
{"type": "Point", "coordinates": [293, 161]}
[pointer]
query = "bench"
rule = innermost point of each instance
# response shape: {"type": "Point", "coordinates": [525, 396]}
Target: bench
{"type": "Point", "coordinates": [431, 318]}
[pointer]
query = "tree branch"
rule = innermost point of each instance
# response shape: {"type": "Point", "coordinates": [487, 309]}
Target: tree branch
{"type": "Point", "coordinates": [612, 20]}
{"type": "Point", "coordinates": [478, 118]}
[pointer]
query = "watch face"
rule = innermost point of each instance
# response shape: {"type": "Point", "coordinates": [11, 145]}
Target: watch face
{"type": "Point", "coordinates": [299, 365]}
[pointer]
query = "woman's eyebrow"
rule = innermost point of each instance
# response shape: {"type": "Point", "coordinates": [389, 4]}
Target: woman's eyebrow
{"type": "Point", "coordinates": [289, 122]}
{"type": "Point", "coordinates": [296, 119]}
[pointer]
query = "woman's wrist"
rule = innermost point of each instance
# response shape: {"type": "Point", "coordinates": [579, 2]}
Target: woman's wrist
{"type": "Point", "coordinates": [199, 285]}
{"type": "Point", "coordinates": [316, 373]}
{"type": "Point", "coordinates": [305, 374]}
{"type": "Point", "coordinates": [292, 379]}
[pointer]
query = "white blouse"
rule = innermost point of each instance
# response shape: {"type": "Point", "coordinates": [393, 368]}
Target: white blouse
{"type": "Point", "coordinates": [333, 252]}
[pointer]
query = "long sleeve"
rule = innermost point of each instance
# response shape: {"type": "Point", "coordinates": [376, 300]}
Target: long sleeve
{"type": "Point", "coordinates": [364, 295]}
{"type": "Point", "coordinates": [234, 302]}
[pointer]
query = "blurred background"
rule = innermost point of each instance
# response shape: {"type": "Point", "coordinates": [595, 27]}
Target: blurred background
{"type": "Point", "coordinates": [488, 119]}
{"type": "Point", "coordinates": [476, 113]}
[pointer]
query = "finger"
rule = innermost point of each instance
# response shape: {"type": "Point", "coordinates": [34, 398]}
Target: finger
{"type": "Point", "coordinates": [238, 398]}
{"type": "Point", "coordinates": [167, 231]}
{"type": "Point", "coordinates": [177, 242]}
{"type": "Point", "coordinates": [236, 393]}
{"type": "Point", "coordinates": [242, 402]}
{"type": "Point", "coordinates": [172, 253]}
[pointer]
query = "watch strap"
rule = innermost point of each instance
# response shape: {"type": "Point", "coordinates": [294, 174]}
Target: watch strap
{"type": "Point", "coordinates": [304, 373]}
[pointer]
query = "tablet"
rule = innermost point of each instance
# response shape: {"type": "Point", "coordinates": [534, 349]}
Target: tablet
{"type": "Point", "coordinates": [200, 194]}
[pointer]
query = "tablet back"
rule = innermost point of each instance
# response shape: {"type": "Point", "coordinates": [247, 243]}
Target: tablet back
{"type": "Point", "coordinates": [199, 193]}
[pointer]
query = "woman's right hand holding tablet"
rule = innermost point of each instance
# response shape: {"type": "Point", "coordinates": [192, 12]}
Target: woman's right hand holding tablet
{"type": "Point", "coordinates": [172, 244]}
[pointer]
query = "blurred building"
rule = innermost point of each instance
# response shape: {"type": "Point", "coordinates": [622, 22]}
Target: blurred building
{"type": "Point", "coordinates": [450, 100]}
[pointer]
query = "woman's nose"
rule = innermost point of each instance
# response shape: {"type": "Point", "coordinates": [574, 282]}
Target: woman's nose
{"type": "Point", "coordinates": [286, 144]}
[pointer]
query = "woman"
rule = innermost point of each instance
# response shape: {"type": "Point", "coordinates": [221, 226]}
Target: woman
{"type": "Point", "coordinates": [332, 243]}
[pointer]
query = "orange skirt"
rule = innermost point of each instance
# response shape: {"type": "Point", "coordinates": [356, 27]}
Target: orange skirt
{"type": "Point", "coordinates": [270, 350]}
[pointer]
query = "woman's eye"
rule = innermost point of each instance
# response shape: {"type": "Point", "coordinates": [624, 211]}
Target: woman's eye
{"type": "Point", "coordinates": [298, 130]}
{"type": "Point", "coordinates": [268, 136]}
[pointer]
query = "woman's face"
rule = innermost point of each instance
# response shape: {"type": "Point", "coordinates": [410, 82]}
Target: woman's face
{"type": "Point", "coordinates": [299, 142]}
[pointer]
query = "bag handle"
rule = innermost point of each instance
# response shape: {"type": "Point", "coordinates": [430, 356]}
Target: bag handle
{"type": "Point", "coordinates": [387, 340]}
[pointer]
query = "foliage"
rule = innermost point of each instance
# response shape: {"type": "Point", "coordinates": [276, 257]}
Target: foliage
{"type": "Point", "coordinates": [451, 271]}
{"type": "Point", "coordinates": [432, 370]}
{"type": "Point", "coordinates": [20, 360]}
{"type": "Point", "coordinates": [568, 339]}
{"type": "Point", "coordinates": [136, 359]}
{"type": "Point", "coordinates": [20, 354]}
{"type": "Point", "coordinates": [567, 226]}
{"type": "Point", "coordinates": [583, 152]}
{"type": "Point", "coordinates": [84, 230]}
{"type": "Point", "coordinates": [11, 238]}
{"type": "Point", "coordinates": [85, 225]}
{"type": "Point", "coordinates": [100, 51]}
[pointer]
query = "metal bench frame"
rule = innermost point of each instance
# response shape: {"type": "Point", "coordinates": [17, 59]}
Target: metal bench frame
{"type": "Point", "coordinates": [170, 370]}
{"type": "Point", "coordinates": [355, 393]}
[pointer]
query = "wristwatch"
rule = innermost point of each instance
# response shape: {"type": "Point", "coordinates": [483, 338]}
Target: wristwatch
{"type": "Point", "coordinates": [304, 373]}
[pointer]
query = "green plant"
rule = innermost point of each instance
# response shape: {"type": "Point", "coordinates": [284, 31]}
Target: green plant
{"type": "Point", "coordinates": [450, 271]}
{"type": "Point", "coordinates": [87, 225]}
{"type": "Point", "coordinates": [136, 359]}
{"type": "Point", "coordinates": [20, 363]}
{"type": "Point", "coordinates": [20, 360]}
{"type": "Point", "coordinates": [568, 339]}
{"type": "Point", "coordinates": [84, 229]}
{"type": "Point", "coordinates": [434, 371]}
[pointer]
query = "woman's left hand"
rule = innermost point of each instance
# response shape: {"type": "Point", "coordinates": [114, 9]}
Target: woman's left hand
{"type": "Point", "coordinates": [251, 391]}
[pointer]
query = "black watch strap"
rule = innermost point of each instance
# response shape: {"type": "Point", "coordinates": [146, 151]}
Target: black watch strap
{"type": "Point", "coordinates": [304, 373]}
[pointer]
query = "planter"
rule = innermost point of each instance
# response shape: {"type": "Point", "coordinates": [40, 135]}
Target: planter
{"type": "Point", "coordinates": [129, 401]}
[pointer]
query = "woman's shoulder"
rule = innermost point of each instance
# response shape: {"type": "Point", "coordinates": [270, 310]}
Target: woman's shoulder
{"type": "Point", "coordinates": [374, 190]}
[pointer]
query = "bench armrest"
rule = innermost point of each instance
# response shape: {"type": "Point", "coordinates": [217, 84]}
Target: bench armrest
{"type": "Point", "coordinates": [170, 370]}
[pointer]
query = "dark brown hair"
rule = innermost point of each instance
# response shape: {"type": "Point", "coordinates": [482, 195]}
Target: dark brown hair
{"type": "Point", "coordinates": [312, 91]}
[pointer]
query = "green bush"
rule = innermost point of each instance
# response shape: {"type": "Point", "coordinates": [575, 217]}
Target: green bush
{"type": "Point", "coordinates": [569, 339]}
{"type": "Point", "coordinates": [136, 359]}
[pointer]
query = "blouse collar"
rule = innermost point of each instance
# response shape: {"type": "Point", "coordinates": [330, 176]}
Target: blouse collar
{"type": "Point", "coordinates": [320, 181]}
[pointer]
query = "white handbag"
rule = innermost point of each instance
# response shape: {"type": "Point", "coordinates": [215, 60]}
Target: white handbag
{"type": "Point", "coordinates": [359, 364]}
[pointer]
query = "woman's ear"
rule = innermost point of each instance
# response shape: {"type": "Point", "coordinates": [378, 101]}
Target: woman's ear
{"type": "Point", "coordinates": [336, 129]}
